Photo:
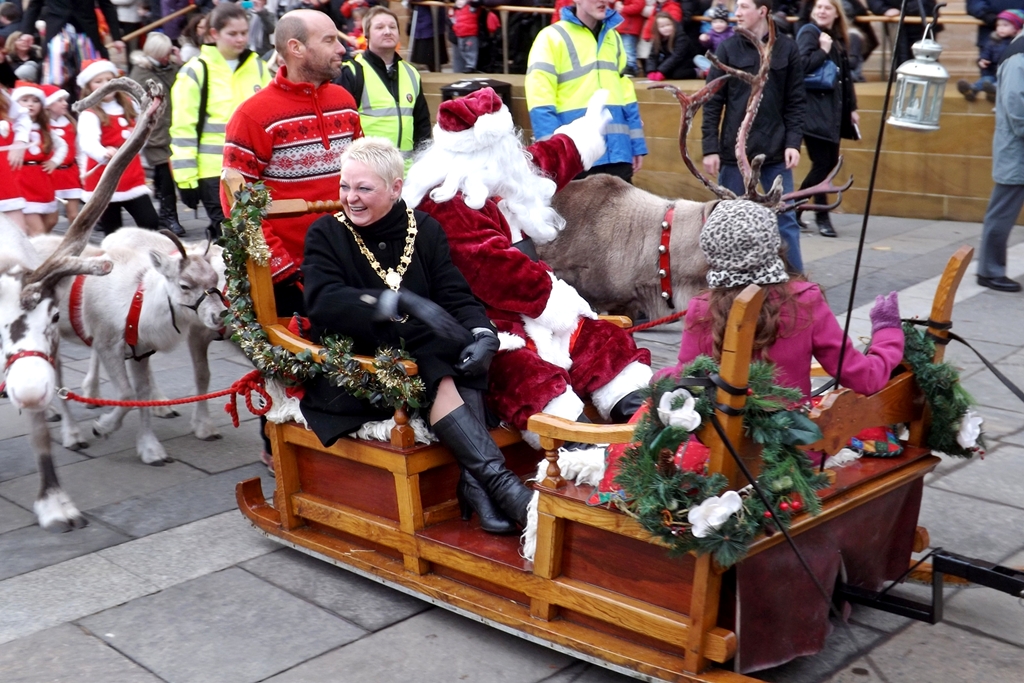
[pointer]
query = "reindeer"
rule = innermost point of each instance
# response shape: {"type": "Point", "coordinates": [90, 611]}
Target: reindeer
{"type": "Point", "coordinates": [28, 305]}
{"type": "Point", "coordinates": [150, 302]}
{"type": "Point", "coordinates": [626, 250]}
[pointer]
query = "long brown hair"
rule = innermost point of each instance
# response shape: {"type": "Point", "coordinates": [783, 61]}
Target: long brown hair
{"type": "Point", "coordinates": [840, 27]}
{"type": "Point", "coordinates": [122, 98]}
{"type": "Point", "coordinates": [778, 298]}
{"type": "Point", "coordinates": [43, 119]}
{"type": "Point", "coordinates": [656, 37]}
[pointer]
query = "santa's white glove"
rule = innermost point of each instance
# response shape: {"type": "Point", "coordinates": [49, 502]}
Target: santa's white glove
{"type": "Point", "coordinates": [563, 310]}
{"type": "Point", "coordinates": [587, 132]}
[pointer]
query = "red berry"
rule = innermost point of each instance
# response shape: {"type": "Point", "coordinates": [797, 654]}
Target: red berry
{"type": "Point", "coordinates": [797, 506]}
{"type": "Point", "coordinates": [784, 506]}
{"type": "Point", "coordinates": [767, 514]}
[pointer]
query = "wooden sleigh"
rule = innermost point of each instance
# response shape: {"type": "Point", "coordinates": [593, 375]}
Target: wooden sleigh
{"type": "Point", "coordinates": [601, 588]}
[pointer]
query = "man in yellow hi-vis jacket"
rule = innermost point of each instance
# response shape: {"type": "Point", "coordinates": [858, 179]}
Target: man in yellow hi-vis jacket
{"type": "Point", "coordinates": [206, 93]}
{"type": "Point", "coordinates": [570, 61]}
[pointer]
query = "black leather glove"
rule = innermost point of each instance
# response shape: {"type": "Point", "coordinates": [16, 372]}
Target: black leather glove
{"type": "Point", "coordinates": [189, 197]}
{"type": "Point", "coordinates": [393, 305]}
{"type": "Point", "coordinates": [476, 358]}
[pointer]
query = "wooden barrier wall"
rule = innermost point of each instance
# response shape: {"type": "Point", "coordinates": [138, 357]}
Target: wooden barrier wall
{"type": "Point", "coordinates": [946, 174]}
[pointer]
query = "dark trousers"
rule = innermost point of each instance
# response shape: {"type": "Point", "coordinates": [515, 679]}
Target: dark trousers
{"type": "Point", "coordinates": [824, 156]}
{"type": "Point", "coordinates": [209, 195]}
{"type": "Point", "coordinates": [163, 183]}
{"type": "Point", "coordinates": [1003, 208]}
{"type": "Point", "coordinates": [622, 169]}
{"type": "Point", "coordinates": [140, 208]}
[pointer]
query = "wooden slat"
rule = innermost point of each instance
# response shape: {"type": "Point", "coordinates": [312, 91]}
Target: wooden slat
{"type": "Point", "coordinates": [547, 561]}
{"type": "Point", "coordinates": [353, 521]}
{"type": "Point", "coordinates": [552, 427]}
{"type": "Point", "coordinates": [599, 517]}
{"type": "Point", "coordinates": [286, 475]}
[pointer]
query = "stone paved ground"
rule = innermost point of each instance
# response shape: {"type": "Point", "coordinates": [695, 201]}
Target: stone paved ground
{"type": "Point", "coordinates": [169, 583]}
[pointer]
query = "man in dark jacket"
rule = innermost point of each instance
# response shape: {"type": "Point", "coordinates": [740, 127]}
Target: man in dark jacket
{"type": "Point", "coordinates": [777, 129]}
{"type": "Point", "coordinates": [80, 14]}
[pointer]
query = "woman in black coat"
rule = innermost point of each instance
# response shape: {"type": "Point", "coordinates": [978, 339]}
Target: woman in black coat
{"type": "Point", "coordinates": [672, 51]}
{"type": "Point", "coordinates": [831, 113]}
{"type": "Point", "coordinates": [382, 274]}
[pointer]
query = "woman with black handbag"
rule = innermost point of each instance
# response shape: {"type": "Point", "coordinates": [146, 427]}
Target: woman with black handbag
{"type": "Point", "coordinates": [831, 100]}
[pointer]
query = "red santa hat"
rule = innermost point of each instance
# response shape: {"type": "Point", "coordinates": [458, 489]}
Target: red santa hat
{"type": "Point", "coordinates": [53, 93]}
{"type": "Point", "coordinates": [94, 67]}
{"type": "Point", "coordinates": [472, 123]}
{"type": "Point", "coordinates": [22, 88]}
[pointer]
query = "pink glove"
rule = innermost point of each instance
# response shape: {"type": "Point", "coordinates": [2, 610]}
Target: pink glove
{"type": "Point", "coordinates": [656, 76]}
{"type": "Point", "coordinates": [885, 313]}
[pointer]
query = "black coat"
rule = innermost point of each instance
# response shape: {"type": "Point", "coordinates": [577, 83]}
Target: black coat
{"type": "Point", "coordinates": [79, 13]}
{"type": "Point", "coordinates": [337, 275]}
{"type": "Point", "coordinates": [675, 62]}
{"type": "Point", "coordinates": [828, 111]}
{"type": "Point", "coordinates": [779, 123]}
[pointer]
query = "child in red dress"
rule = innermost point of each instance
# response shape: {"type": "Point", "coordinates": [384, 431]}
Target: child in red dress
{"type": "Point", "coordinates": [15, 126]}
{"type": "Point", "coordinates": [101, 130]}
{"type": "Point", "coordinates": [67, 178]}
{"type": "Point", "coordinates": [45, 153]}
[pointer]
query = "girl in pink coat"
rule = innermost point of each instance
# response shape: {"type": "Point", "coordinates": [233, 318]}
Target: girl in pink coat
{"type": "Point", "coordinates": [741, 244]}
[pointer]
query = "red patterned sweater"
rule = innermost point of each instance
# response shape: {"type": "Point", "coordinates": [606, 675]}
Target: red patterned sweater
{"type": "Point", "coordinates": [290, 135]}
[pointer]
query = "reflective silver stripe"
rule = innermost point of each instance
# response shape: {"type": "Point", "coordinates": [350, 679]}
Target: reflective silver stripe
{"type": "Point", "coordinates": [191, 73]}
{"type": "Point", "coordinates": [617, 129]}
{"type": "Point", "coordinates": [211, 149]}
{"type": "Point", "coordinates": [584, 70]}
{"type": "Point", "coordinates": [574, 57]}
{"type": "Point", "coordinates": [184, 142]}
{"type": "Point", "coordinates": [389, 111]}
{"type": "Point", "coordinates": [411, 73]}
{"type": "Point", "coordinates": [215, 128]}
{"type": "Point", "coordinates": [183, 163]}
{"type": "Point", "coordinates": [542, 66]}
{"type": "Point", "coordinates": [636, 133]}
{"type": "Point", "coordinates": [259, 65]}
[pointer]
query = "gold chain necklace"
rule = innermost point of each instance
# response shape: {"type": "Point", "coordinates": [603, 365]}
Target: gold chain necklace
{"type": "Point", "coordinates": [393, 277]}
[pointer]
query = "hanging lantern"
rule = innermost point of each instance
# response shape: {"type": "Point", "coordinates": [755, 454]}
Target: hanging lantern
{"type": "Point", "coordinates": [920, 86]}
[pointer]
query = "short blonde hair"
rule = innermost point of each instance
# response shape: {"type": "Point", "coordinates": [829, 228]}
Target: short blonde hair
{"type": "Point", "coordinates": [157, 46]}
{"type": "Point", "coordinates": [379, 154]}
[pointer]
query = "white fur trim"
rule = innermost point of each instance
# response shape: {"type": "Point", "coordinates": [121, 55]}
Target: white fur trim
{"type": "Point", "coordinates": [73, 193]}
{"type": "Point", "coordinates": [59, 95]}
{"type": "Point", "coordinates": [33, 90]}
{"type": "Point", "coordinates": [587, 132]}
{"type": "Point", "coordinates": [380, 430]}
{"type": "Point", "coordinates": [283, 408]}
{"type": "Point", "coordinates": [529, 538]}
{"type": "Point", "coordinates": [132, 193]}
{"type": "Point", "coordinates": [488, 129]}
{"type": "Point", "coordinates": [93, 70]}
{"type": "Point", "coordinates": [552, 330]}
{"type": "Point", "coordinates": [40, 207]}
{"type": "Point", "coordinates": [510, 342]}
{"type": "Point", "coordinates": [634, 376]}
{"type": "Point", "coordinates": [12, 204]}
{"type": "Point", "coordinates": [567, 405]}
{"type": "Point", "coordinates": [842, 459]}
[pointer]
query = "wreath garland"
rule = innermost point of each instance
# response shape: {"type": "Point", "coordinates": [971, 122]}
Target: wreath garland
{"type": "Point", "coordinates": [243, 238]}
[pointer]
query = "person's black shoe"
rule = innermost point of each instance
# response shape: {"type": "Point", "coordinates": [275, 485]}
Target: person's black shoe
{"type": "Point", "coordinates": [990, 91]}
{"type": "Point", "coordinates": [1000, 284]}
{"type": "Point", "coordinates": [805, 225]}
{"type": "Point", "coordinates": [824, 224]}
{"type": "Point", "coordinates": [967, 90]}
{"type": "Point", "coordinates": [472, 498]}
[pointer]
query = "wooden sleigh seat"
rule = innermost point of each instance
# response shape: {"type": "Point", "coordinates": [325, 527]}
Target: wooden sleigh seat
{"type": "Point", "coordinates": [600, 588]}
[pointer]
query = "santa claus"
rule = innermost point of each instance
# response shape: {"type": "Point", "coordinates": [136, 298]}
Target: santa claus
{"type": "Point", "coordinates": [492, 197]}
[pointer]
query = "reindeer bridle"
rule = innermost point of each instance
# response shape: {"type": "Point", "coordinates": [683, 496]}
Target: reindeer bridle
{"type": "Point", "coordinates": [211, 291]}
{"type": "Point", "coordinates": [18, 355]}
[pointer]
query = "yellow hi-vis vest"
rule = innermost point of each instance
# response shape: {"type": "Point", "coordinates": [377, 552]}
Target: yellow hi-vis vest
{"type": "Point", "coordinates": [193, 158]}
{"type": "Point", "coordinates": [380, 113]}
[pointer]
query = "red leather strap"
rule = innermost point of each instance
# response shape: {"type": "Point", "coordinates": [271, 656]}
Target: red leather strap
{"type": "Point", "coordinates": [28, 354]}
{"type": "Point", "coordinates": [664, 261]}
{"type": "Point", "coordinates": [131, 323]}
{"type": "Point", "coordinates": [75, 309]}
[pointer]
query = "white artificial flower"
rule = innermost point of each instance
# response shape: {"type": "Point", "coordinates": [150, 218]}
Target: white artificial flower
{"type": "Point", "coordinates": [713, 512]}
{"type": "Point", "coordinates": [970, 430]}
{"type": "Point", "coordinates": [686, 417]}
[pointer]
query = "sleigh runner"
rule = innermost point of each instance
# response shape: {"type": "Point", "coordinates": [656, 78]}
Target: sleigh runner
{"type": "Point", "coordinates": [601, 587]}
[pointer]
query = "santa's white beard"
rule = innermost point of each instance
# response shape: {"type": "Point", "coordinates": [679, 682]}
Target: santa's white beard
{"type": "Point", "coordinates": [501, 170]}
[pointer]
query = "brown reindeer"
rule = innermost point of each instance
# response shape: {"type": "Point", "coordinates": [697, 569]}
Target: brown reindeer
{"type": "Point", "coordinates": [629, 251]}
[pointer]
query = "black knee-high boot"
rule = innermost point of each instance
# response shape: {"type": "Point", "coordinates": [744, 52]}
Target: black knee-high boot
{"type": "Point", "coordinates": [472, 497]}
{"type": "Point", "coordinates": [471, 444]}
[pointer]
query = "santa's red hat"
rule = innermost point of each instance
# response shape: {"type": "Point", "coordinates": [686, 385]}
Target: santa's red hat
{"type": "Point", "coordinates": [472, 123]}
{"type": "Point", "coordinates": [94, 67]}
{"type": "Point", "coordinates": [53, 93]}
{"type": "Point", "coordinates": [22, 88]}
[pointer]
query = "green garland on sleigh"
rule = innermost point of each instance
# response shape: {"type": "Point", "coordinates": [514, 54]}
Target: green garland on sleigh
{"type": "Point", "coordinates": [243, 238]}
{"type": "Point", "coordinates": [673, 504]}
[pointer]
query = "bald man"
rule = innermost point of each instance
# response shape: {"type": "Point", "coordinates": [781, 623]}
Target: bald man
{"type": "Point", "coordinates": [290, 135]}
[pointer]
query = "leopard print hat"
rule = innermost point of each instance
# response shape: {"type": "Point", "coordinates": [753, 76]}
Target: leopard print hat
{"type": "Point", "coordinates": [740, 241]}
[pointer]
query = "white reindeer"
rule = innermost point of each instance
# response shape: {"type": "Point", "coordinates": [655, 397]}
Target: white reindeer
{"type": "Point", "coordinates": [28, 306]}
{"type": "Point", "coordinates": [179, 293]}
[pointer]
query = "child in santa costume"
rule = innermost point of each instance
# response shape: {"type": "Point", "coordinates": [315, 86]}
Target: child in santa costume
{"type": "Point", "coordinates": [67, 180]}
{"type": "Point", "coordinates": [101, 130]}
{"type": "Point", "coordinates": [45, 153]}
{"type": "Point", "coordinates": [492, 197]}
{"type": "Point", "coordinates": [15, 127]}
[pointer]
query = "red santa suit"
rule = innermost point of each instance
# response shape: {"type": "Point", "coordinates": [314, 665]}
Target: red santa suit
{"type": "Point", "coordinates": [14, 129]}
{"type": "Point", "coordinates": [35, 182]}
{"type": "Point", "coordinates": [554, 352]}
{"type": "Point", "coordinates": [94, 137]}
{"type": "Point", "coordinates": [67, 177]}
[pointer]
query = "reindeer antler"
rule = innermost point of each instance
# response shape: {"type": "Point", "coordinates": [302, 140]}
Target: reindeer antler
{"type": "Point", "coordinates": [151, 101]}
{"type": "Point", "coordinates": [177, 242]}
{"type": "Point", "coordinates": [794, 199]}
{"type": "Point", "coordinates": [690, 105]}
